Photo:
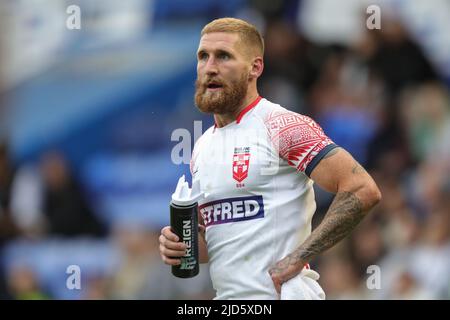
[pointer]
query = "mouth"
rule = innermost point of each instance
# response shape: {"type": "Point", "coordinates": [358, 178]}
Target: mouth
{"type": "Point", "coordinates": [214, 86]}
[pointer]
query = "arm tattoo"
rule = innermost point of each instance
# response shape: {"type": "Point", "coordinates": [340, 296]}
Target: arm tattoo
{"type": "Point", "coordinates": [332, 152]}
{"type": "Point", "coordinates": [357, 168]}
{"type": "Point", "coordinates": [344, 214]}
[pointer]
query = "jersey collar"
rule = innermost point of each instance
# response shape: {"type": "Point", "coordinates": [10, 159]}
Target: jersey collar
{"type": "Point", "coordinates": [245, 110]}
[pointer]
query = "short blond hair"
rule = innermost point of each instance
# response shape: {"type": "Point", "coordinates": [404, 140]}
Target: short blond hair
{"type": "Point", "coordinates": [247, 32]}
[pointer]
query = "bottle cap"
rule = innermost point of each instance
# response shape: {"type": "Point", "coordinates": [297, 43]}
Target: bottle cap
{"type": "Point", "coordinates": [185, 196]}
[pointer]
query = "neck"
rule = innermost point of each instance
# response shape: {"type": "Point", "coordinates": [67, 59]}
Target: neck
{"type": "Point", "coordinates": [221, 120]}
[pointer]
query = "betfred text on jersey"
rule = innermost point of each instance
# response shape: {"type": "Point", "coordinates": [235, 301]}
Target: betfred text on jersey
{"type": "Point", "coordinates": [232, 210]}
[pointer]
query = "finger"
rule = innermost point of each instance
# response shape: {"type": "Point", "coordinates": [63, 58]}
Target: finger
{"type": "Point", "coordinates": [277, 283]}
{"type": "Point", "coordinates": [278, 288]}
{"type": "Point", "coordinates": [171, 253]}
{"type": "Point", "coordinates": [276, 279]}
{"type": "Point", "coordinates": [162, 239]}
{"type": "Point", "coordinates": [177, 246]}
{"type": "Point", "coordinates": [171, 244]}
{"type": "Point", "coordinates": [167, 232]}
{"type": "Point", "coordinates": [171, 262]}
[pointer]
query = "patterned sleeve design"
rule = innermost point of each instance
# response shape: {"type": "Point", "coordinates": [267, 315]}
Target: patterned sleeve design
{"type": "Point", "coordinates": [298, 139]}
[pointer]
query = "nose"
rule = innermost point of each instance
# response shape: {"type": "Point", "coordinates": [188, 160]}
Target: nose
{"type": "Point", "coordinates": [211, 67]}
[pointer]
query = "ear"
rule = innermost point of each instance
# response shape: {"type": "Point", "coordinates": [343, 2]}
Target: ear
{"type": "Point", "coordinates": [256, 68]}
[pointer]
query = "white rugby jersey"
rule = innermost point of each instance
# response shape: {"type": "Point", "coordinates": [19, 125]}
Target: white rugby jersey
{"type": "Point", "coordinates": [259, 200]}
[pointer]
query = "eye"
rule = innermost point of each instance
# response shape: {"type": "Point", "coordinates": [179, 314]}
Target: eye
{"type": "Point", "coordinates": [202, 56]}
{"type": "Point", "coordinates": [224, 56]}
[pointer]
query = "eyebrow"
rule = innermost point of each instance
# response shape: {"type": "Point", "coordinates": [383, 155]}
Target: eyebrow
{"type": "Point", "coordinates": [217, 52]}
{"type": "Point", "coordinates": [221, 51]}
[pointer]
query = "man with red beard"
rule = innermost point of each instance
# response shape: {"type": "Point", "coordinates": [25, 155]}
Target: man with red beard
{"type": "Point", "coordinates": [256, 168]}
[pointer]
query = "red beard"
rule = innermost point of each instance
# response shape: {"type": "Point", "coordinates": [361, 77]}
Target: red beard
{"type": "Point", "coordinates": [225, 100]}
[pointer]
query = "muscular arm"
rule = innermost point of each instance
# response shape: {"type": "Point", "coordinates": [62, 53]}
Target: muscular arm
{"type": "Point", "coordinates": [356, 194]}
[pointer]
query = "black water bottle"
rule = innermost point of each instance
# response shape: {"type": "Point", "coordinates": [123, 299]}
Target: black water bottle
{"type": "Point", "coordinates": [184, 223]}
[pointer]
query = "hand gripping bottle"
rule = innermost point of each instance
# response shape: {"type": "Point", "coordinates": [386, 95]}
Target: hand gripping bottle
{"type": "Point", "coordinates": [184, 223]}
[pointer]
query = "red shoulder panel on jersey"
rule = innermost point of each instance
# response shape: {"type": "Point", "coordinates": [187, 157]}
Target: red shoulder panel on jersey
{"type": "Point", "coordinates": [297, 138]}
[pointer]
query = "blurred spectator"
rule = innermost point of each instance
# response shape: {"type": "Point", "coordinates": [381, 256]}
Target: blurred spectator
{"type": "Point", "coordinates": [24, 285]}
{"type": "Point", "coordinates": [97, 288]}
{"type": "Point", "coordinates": [366, 246]}
{"type": "Point", "coordinates": [388, 150]}
{"type": "Point", "coordinates": [27, 201]}
{"type": "Point", "coordinates": [425, 112]}
{"type": "Point", "coordinates": [65, 207]}
{"type": "Point", "coordinates": [130, 280]}
{"type": "Point", "coordinates": [400, 226]}
{"type": "Point", "coordinates": [49, 201]}
{"type": "Point", "coordinates": [396, 58]}
{"type": "Point", "coordinates": [341, 100]}
{"type": "Point", "coordinates": [406, 288]}
{"type": "Point", "coordinates": [430, 263]}
{"type": "Point", "coordinates": [7, 227]}
{"type": "Point", "coordinates": [339, 278]}
{"type": "Point", "coordinates": [142, 274]}
{"type": "Point", "coordinates": [283, 70]}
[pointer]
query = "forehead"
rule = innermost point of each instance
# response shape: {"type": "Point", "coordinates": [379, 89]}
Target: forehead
{"type": "Point", "coordinates": [219, 40]}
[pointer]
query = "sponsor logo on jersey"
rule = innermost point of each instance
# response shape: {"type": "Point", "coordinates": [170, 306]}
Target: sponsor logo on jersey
{"type": "Point", "coordinates": [241, 162]}
{"type": "Point", "coordinates": [232, 210]}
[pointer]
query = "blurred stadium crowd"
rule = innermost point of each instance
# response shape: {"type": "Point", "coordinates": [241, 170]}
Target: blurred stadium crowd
{"type": "Point", "coordinates": [85, 138]}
